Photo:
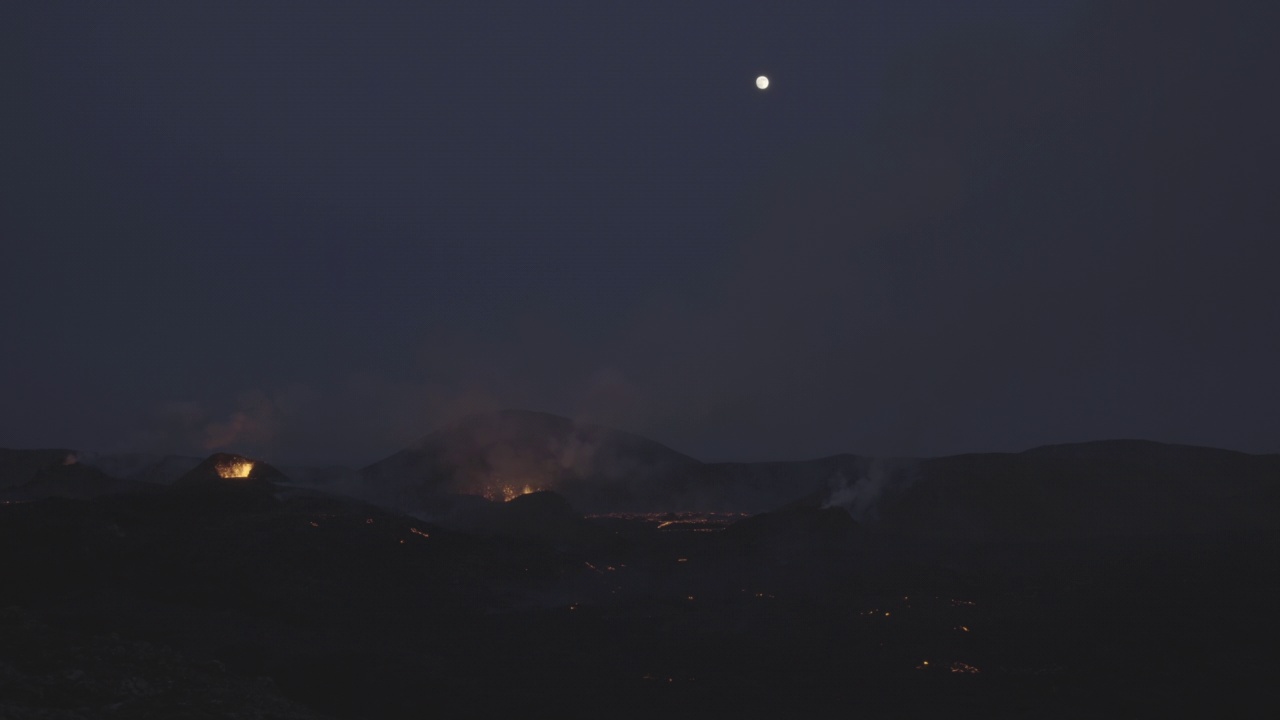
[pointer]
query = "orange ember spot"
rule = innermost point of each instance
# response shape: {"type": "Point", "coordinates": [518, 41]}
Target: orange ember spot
{"type": "Point", "coordinates": [416, 531]}
{"type": "Point", "coordinates": [233, 469]}
{"type": "Point", "coordinates": [682, 559]}
{"type": "Point", "coordinates": [315, 524]}
{"type": "Point", "coordinates": [966, 668]}
{"type": "Point", "coordinates": [368, 521]}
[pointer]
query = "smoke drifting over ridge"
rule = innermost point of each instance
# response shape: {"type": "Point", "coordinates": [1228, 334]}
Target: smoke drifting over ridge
{"type": "Point", "coordinates": [882, 478]}
{"type": "Point", "coordinates": [503, 455]}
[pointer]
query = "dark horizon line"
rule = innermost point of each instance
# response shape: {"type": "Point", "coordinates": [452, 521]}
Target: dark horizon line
{"type": "Point", "coordinates": [321, 464]}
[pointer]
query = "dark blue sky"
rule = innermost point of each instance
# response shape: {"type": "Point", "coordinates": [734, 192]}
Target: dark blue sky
{"type": "Point", "coordinates": [315, 230]}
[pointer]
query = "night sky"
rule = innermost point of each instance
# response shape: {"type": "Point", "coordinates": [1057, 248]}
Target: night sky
{"type": "Point", "coordinates": [316, 230]}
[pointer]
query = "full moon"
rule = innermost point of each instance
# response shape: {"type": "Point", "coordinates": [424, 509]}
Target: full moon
{"type": "Point", "coordinates": [762, 82]}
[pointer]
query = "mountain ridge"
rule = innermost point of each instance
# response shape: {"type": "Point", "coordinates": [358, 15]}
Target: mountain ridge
{"type": "Point", "coordinates": [1105, 487]}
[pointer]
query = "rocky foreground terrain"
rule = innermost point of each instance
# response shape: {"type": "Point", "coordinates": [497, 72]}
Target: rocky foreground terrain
{"type": "Point", "coordinates": [984, 588]}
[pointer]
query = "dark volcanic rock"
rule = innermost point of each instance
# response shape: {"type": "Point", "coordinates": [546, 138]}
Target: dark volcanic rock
{"type": "Point", "coordinates": [544, 516]}
{"type": "Point", "coordinates": [176, 604]}
{"type": "Point", "coordinates": [51, 672]}
{"type": "Point", "coordinates": [797, 531]}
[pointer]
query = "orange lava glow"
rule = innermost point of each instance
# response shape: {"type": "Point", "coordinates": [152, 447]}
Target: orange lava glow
{"type": "Point", "coordinates": [507, 493]}
{"type": "Point", "coordinates": [966, 668]}
{"type": "Point", "coordinates": [680, 521]}
{"type": "Point", "coordinates": [234, 469]}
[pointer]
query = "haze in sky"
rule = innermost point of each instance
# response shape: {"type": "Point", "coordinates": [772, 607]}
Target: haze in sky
{"type": "Point", "coordinates": [315, 231]}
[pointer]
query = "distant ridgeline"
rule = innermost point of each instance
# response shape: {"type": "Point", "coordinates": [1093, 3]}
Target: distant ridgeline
{"type": "Point", "coordinates": [1121, 487]}
{"type": "Point", "coordinates": [1108, 488]}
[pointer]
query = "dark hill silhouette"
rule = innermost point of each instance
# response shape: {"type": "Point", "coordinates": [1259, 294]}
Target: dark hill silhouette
{"type": "Point", "coordinates": [1143, 451]}
{"type": "Point", "coordinates": [762, 486]}
{"type": "Point", "coordinates": [544, 516]}
{"type": "Point", "coordinates": [19, 467]}
{"type": "Point", "coordinates": [230, 471]}
{"type": "Point", "coordinates": [856, 483]}
{"type": "Point", "coordinates": [1108, 488]}
{"type": "Point", "coordinates": [1115, 487]}
{"type": "Point", "coordinates": [598, 469]}
{"type": "Point", "coordinates": [513, 452]}
{"type": "Point", "coordinates": [141, 467]}
{"type": "Point", "coordinates": [37, 474]}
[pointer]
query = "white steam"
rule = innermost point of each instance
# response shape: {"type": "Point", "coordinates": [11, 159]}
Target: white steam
{"type": "Point", "coordinates": [879, 479]}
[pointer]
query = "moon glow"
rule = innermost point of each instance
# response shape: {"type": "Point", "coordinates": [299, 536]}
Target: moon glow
{"type": "Point", "coordinates": [762, 82]}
